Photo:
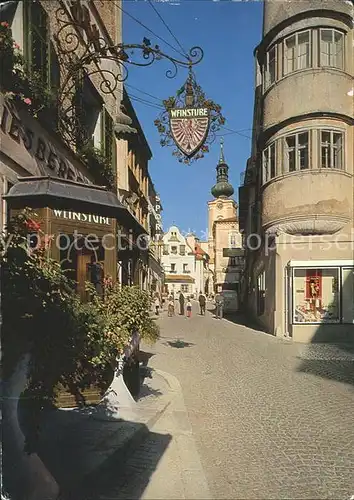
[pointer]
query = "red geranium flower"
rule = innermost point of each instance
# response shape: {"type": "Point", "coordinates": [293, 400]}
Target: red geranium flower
{"type": "Point", "coordinates": [32, 225]}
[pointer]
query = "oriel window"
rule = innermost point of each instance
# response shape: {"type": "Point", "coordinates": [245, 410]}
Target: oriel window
{"type": "Point", "coordinates": [297, 52]}
{"type": "Point", "coordinates": [331, 48]}
{"type": "Point", "coordinates": [269, 163]}
{"type": "Point", "coordinates": [331, 149]}
{"type": "Point", "coordinates": [270, 67]}
{"type": "Point", "coordinates": [296, 153]}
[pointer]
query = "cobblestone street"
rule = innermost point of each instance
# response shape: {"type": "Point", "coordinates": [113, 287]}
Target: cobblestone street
{"type": "Point", "coordinates": [272, 419]}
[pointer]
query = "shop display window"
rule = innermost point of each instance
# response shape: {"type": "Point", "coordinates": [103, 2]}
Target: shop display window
{"type": "Point", "coordinates": [316, 295]}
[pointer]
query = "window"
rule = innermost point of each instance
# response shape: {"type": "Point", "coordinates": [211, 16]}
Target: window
{"type": "Point", "coordinates": [296, 153]}
{"type": "Point", "coordinates": [297, 52]}
{"type": "Point", "coordinates": [108, 145]}
{"type": "Point", "coordinates": [270, 67]}
{"type": "Point", "coordinates": [331, 48]}
{"type": "Point", "coordinates": [37, 31]}
{"type": "Point", "coordinates": [232, 240]}
{"type": "Point", "coordinates": [331, 149]}
{"type": "Point", "coordinates": [316, 295]}
{"type": "Point", "coordinates": [165, 249]}
{"type": "Point", "coordinates": [269, 165]}
{"type": "Point", "coordinates": [185, 268]}
{"type": "Point", "coordinates": [182, 249]}
{"type": "Point", "coordinates": [88, 107]}
{"type": "Point", "coordinates": [173, 236]}
{"type": "Point", "coordinates": [173, 268]}
{"type": "Point", "coordinates": [174, 250]}
{"type": "Point", "coordinates": [39, 51]}
{"type": "Point", "coordinates": [233, 261]}
{"type": "Point", "coordinates": [185, 288]}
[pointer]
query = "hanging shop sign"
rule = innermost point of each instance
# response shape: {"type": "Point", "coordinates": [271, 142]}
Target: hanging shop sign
{"type": "Point", "coordinates": [189, 128]}
{"type": "Point", "coordinates": [189, 122]}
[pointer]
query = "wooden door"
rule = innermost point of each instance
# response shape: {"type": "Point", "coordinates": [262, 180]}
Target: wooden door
{"type": "Point", "coordinates": [83, 261]}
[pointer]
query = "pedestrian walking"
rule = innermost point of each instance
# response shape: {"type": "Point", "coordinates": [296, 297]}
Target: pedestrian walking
{"type": "Point", "coordinates": [157, 305]}
{"type": "Point", "coordinates": [171, 307]}
{"type": "Point", "coordinates": [181, 304]}
{"type": "Point", "coordinates": [219, 304]}
{"type": "Point", "coordinates": [189, 308]}
{"type": "Point", "coordinates": [202, 303]}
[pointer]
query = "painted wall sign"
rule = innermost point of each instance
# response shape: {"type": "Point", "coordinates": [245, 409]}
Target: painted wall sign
{"type": "Point", "coordinates": [189, 128]}
{"type": "Point", "coordinates": [25, 142]}
{"type": "Point", "coordinates": [81, 217]}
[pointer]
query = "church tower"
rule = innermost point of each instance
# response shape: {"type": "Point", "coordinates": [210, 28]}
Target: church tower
{"type": "Point", "coordinates": [223, 230]}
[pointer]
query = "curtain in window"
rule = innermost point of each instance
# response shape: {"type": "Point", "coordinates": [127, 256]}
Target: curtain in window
{"type": "Point", "coordinates": [337, 150]}
{"type": "Point", "coordinates": [303, 59]}
{"type": "Point", "coordinates": [290, 153]}
{"type": "Point", "coordinates": [326, 40]}
{"type": "Point", "coordinates": [331, 48]}
{"type": "Point", "coordinates": [289, 55]}
{"type": "Point", "coordinates": [337, 50]}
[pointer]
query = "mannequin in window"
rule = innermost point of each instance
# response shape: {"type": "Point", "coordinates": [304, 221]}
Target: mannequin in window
{"type": "Point", "coordinates": [314, 293]}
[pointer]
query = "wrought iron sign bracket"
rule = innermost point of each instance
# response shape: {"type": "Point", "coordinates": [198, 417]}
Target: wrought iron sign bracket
{"type": "Point", "coordinates": [82, 50]}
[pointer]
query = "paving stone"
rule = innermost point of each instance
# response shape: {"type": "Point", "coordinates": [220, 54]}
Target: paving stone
{"type": "Point", "coordinates": [271, 418]}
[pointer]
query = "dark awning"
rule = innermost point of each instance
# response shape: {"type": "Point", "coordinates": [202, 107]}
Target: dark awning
{"type": "Point", "coordinates": [40, 192]}
{"type": "Point", "coordinates": [7, 11]}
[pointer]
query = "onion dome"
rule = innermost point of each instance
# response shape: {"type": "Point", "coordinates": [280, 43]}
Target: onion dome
{"type": "Point", "coordinates": [222, 188]}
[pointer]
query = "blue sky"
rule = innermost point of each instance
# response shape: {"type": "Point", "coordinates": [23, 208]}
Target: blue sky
{"type": "Point", "coordinates": [228, 31]}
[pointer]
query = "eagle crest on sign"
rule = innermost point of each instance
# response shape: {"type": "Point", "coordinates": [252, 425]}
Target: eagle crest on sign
{"type": "Point", "coordinates": [189, 133]}
{"type": "Point", "coordinates": [189, 122]}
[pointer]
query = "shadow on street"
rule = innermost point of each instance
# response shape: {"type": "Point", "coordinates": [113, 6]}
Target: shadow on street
{"type": "Point", "coordinates": [241, 319]}
{"type": "Point", "coordinates": [123, 476]}
{"type": "Point", "coordinates": [178, 344]}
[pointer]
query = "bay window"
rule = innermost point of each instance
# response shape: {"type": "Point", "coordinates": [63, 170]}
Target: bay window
{"type": "Point", "coordinates": [269, 163]}
{"type": "Point", "coordinates": [331, 149]}
{"type": "Point", "coordinates": [270, 67]}
{"type": "Point", "coordinates": [331, 48]}
{"type": "Point", "coordinates": [296, 154]}
{"type": "Point", "coordinates": [297, 52]}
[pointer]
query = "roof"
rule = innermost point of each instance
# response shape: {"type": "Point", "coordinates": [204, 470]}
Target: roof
{"type": "Point", "coordinates": [180, 278]}
{"type": "Point", "coordinates": [58, 193]}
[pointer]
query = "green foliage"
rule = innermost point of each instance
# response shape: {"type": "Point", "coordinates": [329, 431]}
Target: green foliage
{"type": "Point", "coordinates": [71, 343]}
{"type": "Point", "coordinates": [16, 81]}
{"type": "Point", "coordinates": [98, 163]}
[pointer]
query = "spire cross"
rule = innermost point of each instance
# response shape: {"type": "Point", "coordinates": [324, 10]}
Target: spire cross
{"type": "Point", "coordinates": [222, 158]}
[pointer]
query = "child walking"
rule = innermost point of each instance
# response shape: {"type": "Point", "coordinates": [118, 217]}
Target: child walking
{"type": "Point", "coordinates": [189, 308]}
{"type": "Point", "coordinates": [171, 307]}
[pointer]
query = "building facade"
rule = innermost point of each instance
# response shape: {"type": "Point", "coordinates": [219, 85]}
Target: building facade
{"type": "Point", "coordinates": [139, 263]}
{"type": "Point", "coordinates": [224, 239]}
{"type": "Point", "coordinates": [60, 131]}
{"type": "Point", "coordinates": [178, 260]}
{"type": "Point", "coordinates": [296, 202]}
{"type": "Point", "coordinates": [201, 263]}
